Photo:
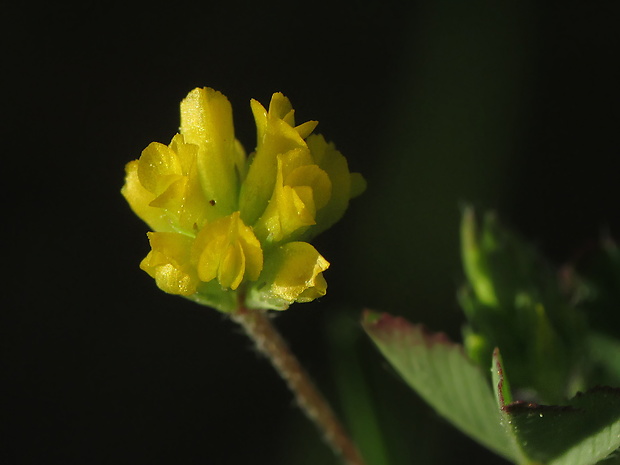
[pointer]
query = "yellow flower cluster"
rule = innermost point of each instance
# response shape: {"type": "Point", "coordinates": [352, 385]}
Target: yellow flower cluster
{"type": "Point", "coordinates": [231, 230]}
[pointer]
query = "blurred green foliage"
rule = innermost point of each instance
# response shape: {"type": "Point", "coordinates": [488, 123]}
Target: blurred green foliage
{"type": "Point", "coordinates": [514, 301]}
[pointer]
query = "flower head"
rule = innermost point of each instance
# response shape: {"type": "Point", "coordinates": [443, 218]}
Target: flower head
{"type": "Point", "coordinates": [231, 230]}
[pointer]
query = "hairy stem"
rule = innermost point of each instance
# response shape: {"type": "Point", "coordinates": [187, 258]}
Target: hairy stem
{"type": "Point", "coordinates": [270, 343]}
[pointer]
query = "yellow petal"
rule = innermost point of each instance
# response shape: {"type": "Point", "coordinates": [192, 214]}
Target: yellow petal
{"type": "Point", "coordinates": [305, 129]}
{"type": "Point", "coordinates": [297, 269]}
{"type": "Point", "coordinates": [294, 159]}
{"type": "Point", "coordinates": [232, 266]}
{"type": "Point", "coordinates": [197, 209]}
{"type": "Point", "coordinates": [158, 167]}
{"type": "Point", "coordinates": [139, 200]}
{"type": "Point", "coordinates": [207, 250]}
{"type": "Point", "coordinates": [292, 208]}
{"type": "Point", "coordinates": [172, 198]}
{"type": "Point", "coordinates": [276, 135]}
{"type": "Point", "coordinates": [169, 263]}
{"type": "Point", "coordinates": [299, 169]}
{"type": "Point", "coordinates": [186, 153]}
{"type": "Point", "coordinates": [280, 107]}
{"type": "Point", "coordinates": [358, 185]}
{"type": "Point", "coordinates": [344, 184]}
{"type": "Point", "coordinates": [229, 250]}
{"type": "Point", "coordinates": [206, 120]}
{"type": "Point", "coordinates": [316, 179]}
{"type": "Point", "coordinates": [318, 289]}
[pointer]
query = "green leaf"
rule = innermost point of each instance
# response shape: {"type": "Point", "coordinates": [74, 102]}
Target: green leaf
{"type": "Point", "coordinates": [582, 432]}
{"type": "Point", "coordinates": [440, 372]}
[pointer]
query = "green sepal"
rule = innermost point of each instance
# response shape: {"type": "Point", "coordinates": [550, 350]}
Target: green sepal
{"type": "Point", "coordinates": [212, 295]}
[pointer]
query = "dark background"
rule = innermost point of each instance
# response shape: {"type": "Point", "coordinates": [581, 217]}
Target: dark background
{"type": "Point", "coordinates": [508, 105]}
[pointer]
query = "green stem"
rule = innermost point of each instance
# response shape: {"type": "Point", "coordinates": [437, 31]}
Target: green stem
{"type": "Point", "coordinates": [270, 343]}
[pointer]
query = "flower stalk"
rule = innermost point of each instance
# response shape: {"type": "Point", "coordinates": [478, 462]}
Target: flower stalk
{"type": "Point", "coordinates": [232, 231]}
{"type": "Point", "coordinates": [270, 343]}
